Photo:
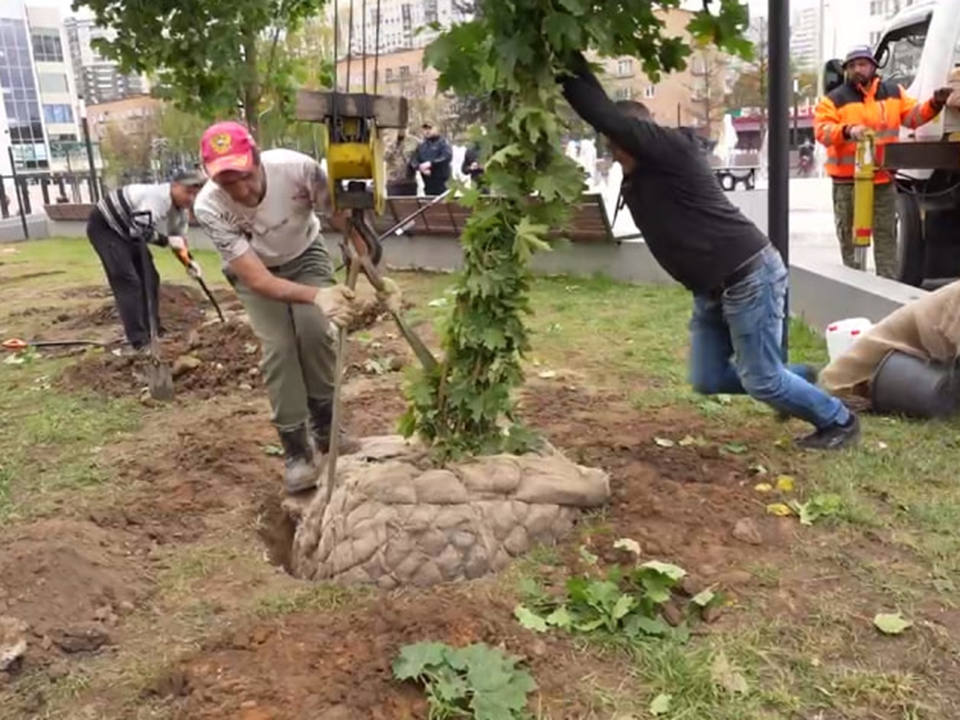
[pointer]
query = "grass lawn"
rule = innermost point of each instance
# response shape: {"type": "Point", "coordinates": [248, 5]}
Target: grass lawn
{"type": "Point", "coordinates": [795, 638]}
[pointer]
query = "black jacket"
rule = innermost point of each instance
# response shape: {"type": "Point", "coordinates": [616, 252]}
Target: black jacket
{"type": "Point", "coordinates": [437, 151]}
{"type": "Point", "coordinates": [691, 228]}
{"type": "Point", "coordinates": [471, 156]}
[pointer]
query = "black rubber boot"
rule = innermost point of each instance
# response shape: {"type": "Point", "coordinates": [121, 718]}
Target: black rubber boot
{"type": "Point", "coordinates": [299, 472]}
{"type": "Point", "coordinates": [321, 418]}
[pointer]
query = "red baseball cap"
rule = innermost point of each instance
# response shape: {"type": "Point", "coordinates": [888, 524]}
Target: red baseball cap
{"type": "Point", "coordinates": [227, 146]}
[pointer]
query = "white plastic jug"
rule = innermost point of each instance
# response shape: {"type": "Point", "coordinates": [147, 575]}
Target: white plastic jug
{"type": "Point", "coordinates": [844, 333]}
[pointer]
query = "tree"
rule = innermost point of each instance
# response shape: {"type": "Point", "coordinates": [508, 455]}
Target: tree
{"type": "Point", "coordinates": [709, 91]}
{"type": "Point", "coordinates": [127, 153]}
{"type": "Point", "coordinates": [750, 88]}
{"type": "Point", "coordinates": [512, 53]}
{"type": "Point", "coordinates": [208, 56]}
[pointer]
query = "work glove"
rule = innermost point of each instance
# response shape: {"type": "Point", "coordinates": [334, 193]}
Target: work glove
{"type": "Point", "coordinates": [177, 244]}
{"type": "Point", "coordinates": [193, 270]}
{"type": "Point", "coordinates": [390, 295]}
{"type": "Point", "coordinates": [337, 304]}
{"type": "Point", "coordinates": [941, 96]}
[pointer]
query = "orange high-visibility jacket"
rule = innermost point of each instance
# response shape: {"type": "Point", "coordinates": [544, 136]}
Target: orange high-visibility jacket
{"type": "Point", "coordinates": [883, 107]}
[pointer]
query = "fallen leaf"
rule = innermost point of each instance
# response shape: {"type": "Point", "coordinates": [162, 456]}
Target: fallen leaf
{"type": "Point", "coordinates": [763, 487]}
{"type": "Point", "coordinates": [660, 704]}
{"type": "Point", "coordinates": [882, 445]}
{"type": "Point", "coordinates": [785, 483]}
{"type": "Point", "coordinates": [273, 450]}
{"type": "Point", "coordinates": [735, 448]}
{"type": "Point", "coordinates": [547, 374]}
{"type": "Point", "coordinates": [587, 556]}
{"type": "Point", "coordinates": [758, 470]}
{"type": "Point", "coordinates": [627, 544]}
{"type": "Point", "coordinates": [891, 623]}
{"type": "Point", "coordinates": [529, 619]}
{"type": "Point", "coordinates": [704, 598]}
{"type": "Point", "coordinates": [779, 509]}
{"type": "Point", "coordinates": [727, 676]}
{"type": "Point", "coordinates": [689, 440]}
{"type": "Point", "coordinates": [664, 442]}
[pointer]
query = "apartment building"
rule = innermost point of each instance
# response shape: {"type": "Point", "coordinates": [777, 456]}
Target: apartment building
{"type": "Point", "coordinates": [39, 114]}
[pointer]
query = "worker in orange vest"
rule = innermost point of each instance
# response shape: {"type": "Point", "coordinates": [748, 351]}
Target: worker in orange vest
{"type": "Point", "coordinates": [867, 103]}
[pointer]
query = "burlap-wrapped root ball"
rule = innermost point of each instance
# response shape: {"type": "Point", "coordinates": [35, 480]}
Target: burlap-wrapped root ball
{"type": "Point", "coordinates": [395, 519]}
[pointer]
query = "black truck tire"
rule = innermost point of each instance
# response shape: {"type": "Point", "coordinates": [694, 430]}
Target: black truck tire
{"type": "Point", "coordinates": [910, 246]}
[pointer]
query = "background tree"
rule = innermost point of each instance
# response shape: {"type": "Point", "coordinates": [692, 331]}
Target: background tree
{"type": "Point", "coordinates": [511, 53]}
{"type": "Point", "coordinates": [128, 155]}
{"type": "Point", "coordinates": [211, 57]}
{"type": "Point", "coordinates": [709, 90]}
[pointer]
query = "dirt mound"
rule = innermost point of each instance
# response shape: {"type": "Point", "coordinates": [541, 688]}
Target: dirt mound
{"type": "Point", "coordinates": [680, 502]}
{"type": "Point", "coordinates": [56, 574]}
{"type": "Point", "coordinates": [212, 462]}
{"type": "Point", "coordinates": [337, 665]}
{"type": "Point", "coordinates": [228, 355]}
{"type": "Point", "coordinates": [181, 308]}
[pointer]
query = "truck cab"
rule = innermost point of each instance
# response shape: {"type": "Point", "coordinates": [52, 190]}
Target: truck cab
{"type": "Point", "coordinates": [919, 48]}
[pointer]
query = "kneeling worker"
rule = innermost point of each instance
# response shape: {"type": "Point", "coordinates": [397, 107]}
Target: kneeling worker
{"type": "Point", "coordinates": [259, 210]}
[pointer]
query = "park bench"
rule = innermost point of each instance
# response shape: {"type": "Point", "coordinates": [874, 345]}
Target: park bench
{"type": "Point", "coordinates": [589, 223]}
{"type": "Point", "coordinates": [69, 212]}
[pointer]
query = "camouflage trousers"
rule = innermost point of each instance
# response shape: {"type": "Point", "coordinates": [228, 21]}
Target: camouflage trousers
{"type": "Point", "coordinates": [884, 225]}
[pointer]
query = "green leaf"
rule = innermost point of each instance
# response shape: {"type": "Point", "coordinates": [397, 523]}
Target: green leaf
{"type": "Point", "coordinates": [529, 619]}
{"type": "Point", "coordinates": [673, 572]}
{"type": "Point", "coordinates": [643, 625]}
{"type": "Point", "coordinates": [891, 623]}
{"type": "Point", "coordinates": [414, 660]}
{"type": "Point", "coordinates": [590, 625]}
{"type": "Point", "coordinates": [560, 618]}
{"type": "Point", "coordinates": [623, 606]}
{"type": "Point", "coordinates": [660, 705]}
{"type": "Point", "coordinates": [273, 450]}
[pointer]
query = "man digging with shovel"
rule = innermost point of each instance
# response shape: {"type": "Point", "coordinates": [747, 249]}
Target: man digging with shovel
{"type": "Point", "coordinates": [259, 210]}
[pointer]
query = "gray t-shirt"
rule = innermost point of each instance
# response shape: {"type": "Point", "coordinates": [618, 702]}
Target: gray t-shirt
{"type": "Point", "coordinates": [282, 226]}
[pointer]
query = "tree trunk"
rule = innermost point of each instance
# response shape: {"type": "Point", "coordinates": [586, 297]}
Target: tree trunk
{"type": "Point", "coordinates": [251, 86]}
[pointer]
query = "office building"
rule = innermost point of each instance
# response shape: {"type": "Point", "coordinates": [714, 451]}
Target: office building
{"type": "Point", "coordinates": [39, 117]}
{"type": "Point", "coordinates": [390, 25]}
{"type": "Point", "coordinates": [803, 38]}
{"type": "Point", "coordinates": [97, 78]}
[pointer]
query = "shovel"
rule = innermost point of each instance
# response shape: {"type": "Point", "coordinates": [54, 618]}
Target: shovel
{"type": "Point", "coordinates": [21, 344]}
{"type": "Point", "coordinates": [159, 375]}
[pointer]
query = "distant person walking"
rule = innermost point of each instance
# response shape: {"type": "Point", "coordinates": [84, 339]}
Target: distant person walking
{"type": "Point", "coordinates": [863, 104]}
{"type": "Point", "coordinates": [432, 160]}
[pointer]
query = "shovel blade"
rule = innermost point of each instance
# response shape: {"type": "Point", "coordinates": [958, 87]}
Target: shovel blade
{"type": "Point", "coordinates": [160, 382]}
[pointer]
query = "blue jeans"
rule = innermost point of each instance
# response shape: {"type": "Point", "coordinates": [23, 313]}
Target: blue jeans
{"type": "Point", "coordinates": [735, 340]}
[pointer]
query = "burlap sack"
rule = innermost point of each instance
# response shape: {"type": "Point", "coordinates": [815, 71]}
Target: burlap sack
{"type": "Point", "coordinates": [394, 519]}
{"type": "Point", "coordinates": [927, 328]}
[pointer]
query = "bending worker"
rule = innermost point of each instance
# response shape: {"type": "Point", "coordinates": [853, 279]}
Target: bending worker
{"type": "Point", "coordinates": [259, 210]}
{"type": "Point", "coordinates": [737, 278]}
{"type": "Point", "coordinates": [156, 214]}
{"type": "Point", "coordinates": [867, 103]}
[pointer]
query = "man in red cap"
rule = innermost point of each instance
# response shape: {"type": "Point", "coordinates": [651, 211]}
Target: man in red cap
{"type": "Point", "coordinates": [259, 210]}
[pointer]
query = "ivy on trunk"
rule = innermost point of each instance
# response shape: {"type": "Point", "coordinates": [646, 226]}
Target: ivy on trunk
{"type": "Point", "coordinates": [512, 53]}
